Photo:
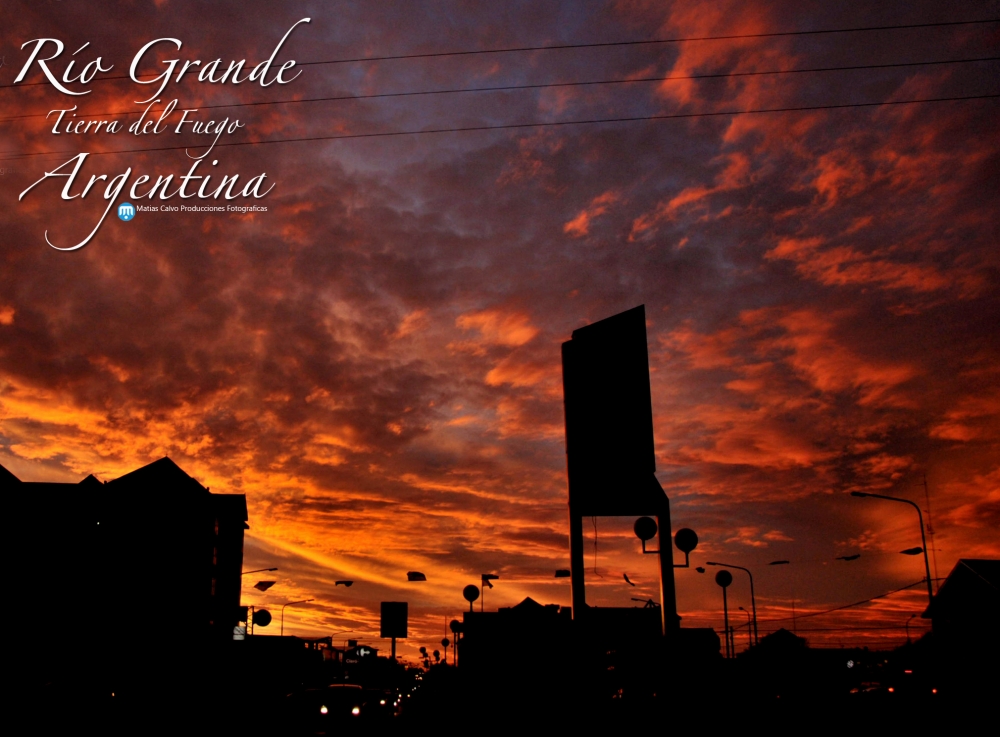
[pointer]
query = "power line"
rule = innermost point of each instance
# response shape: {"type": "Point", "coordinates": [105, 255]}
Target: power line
{"type": "Point", "coordinates": [848, 628]}
{"type": "Point", "coordinates": [688, 39]}
{"type": "Point", "coordinates": [602, 44]}
{"type": "Point", "coordinates": [845, 606]}
{"type": "Point", "coordinates": [857, 628]}
{"type": "Point", "coordinates": [548, 85]}
{"type": "Point", "coordinates": [515, 126]}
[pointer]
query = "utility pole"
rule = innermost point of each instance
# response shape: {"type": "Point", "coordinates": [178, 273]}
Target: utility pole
{"type": "Point", "coordinates": [930, 527]}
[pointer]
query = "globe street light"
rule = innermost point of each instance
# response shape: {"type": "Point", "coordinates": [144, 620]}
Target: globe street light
{"type": "Point", "coordinates": [291, 603]}
{"type": "Point", "coordinates": [753, 600]}
{"type": "Point", "coordinates": [923, 537]}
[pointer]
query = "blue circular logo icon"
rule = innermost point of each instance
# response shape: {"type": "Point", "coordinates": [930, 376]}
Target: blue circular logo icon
{"type": "Point", "coordinates": [126, 211]}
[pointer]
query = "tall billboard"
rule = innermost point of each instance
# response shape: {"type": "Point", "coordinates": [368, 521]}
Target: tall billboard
{"type": "Point", "coordinates": [609, 417]}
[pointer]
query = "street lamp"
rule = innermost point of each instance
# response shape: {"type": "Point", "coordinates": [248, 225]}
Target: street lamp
{"type": "Point", "coordinates": [785, 563]}
{"type": "Point", "coordinates": [724, 578]}
{"type": "Point", "coordinates": [923, 537]}
{"type": "Point", "coordinates": [341, 632]}
{"type": "Point", "coordinates": [753, 600]}
{"type": "Point", "coordinates": [291, 603]}
{"type": "Point", "coordinates": [748, 621]}
{"type": "Point", "coordinates": [258, 570]}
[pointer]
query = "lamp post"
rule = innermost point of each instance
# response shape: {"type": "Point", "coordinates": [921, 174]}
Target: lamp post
{"type": "Point", "coordinates": [291, 603]}
{"type": "Point", "coordinates": [749, 639]}
{"type": "Point", "coordinates": [265, 588]}
{"type": "Point", "coordinates": [923, 536]}
{"type": "Point", "coordinates": [753, 599]}
{"type": "Point", "coordinates": [785, 563]}
{"type": "Point", "coordinates": [724, 578]}
{"type": "Point", "coordinates": [341, 632]}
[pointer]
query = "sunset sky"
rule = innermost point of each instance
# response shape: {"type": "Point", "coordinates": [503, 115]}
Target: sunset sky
{"type": "Point", "coordinates": [375, 360]}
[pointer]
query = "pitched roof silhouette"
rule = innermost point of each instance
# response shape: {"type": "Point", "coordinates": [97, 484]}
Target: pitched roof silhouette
{"type": "Point", "coordinates": [159, 473]}
{"type": "Point", "coordinates": [971, 590]}
{"type": "Point", "coordinates": [782, 640]}
{"type": "Point", "coordinates": [528, 606]}
{"type": "Point", "coordinates": [6, 477]}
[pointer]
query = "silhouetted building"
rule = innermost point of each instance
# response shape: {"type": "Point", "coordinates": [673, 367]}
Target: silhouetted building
{"type": "Point", "coordinates": [127, 576]}
{"type": "Point", "coordinates": [967, 606]}
{"type": "Point", "coordinates": [507, 639]}
{"type": "Point", "coordinates": [781, 643]}
{"type": "Point", "coordinates": [965, 643]}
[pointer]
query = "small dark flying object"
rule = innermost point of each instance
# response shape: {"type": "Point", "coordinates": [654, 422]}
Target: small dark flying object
{"type": "Point", "coordinates": [415, 576]}
{"type": "Point", "coordinates": [348, 584]}
{"type": "Point", "coordinates": [625, 576]}
{"type": "Point", "coordinates": [849, 557]}
{"type": "Point", "coordinates": [912, 551]}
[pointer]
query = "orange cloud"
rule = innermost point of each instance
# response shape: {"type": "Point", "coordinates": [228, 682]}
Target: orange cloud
{"type": "Point", "coordinates": [580, 225]}
{"type": "Point", "coordinates": [495, 327]}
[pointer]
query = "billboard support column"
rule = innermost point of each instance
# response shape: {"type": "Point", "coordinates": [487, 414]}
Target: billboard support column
{"type": "Point", "coordinates": [576, 563]}
{"type": "Point", "coordinates": [668, 595]}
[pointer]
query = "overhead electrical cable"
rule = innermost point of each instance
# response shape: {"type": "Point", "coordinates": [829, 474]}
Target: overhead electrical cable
{"type": "Point", "coordinates": [599, 44]}
{"type": "Point", "coordinates": [546, 85]}
{"type": "Point", "coordinates": [651, 41]}
{"type": "Point", "coordinates": [845, 606]}
{"type": "Point", "coordinates": [516, 126]}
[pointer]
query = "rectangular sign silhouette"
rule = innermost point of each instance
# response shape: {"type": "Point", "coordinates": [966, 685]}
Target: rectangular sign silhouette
{"type": "Point", "coordinates": [609, 417]}
{"type": "Point", "coordinates": [394, 619]}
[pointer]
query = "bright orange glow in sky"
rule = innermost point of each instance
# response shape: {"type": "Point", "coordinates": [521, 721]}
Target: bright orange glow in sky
{"type": "Point", "coordinates": [375, 363]}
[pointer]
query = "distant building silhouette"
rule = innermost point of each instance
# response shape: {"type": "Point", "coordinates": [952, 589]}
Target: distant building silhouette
{"type": "Point", "coordinates": [125, 577]}
{"type": "Point", "coordinates": [783, 642]}
{"type": "Point", "coordinates": [505, 639]}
